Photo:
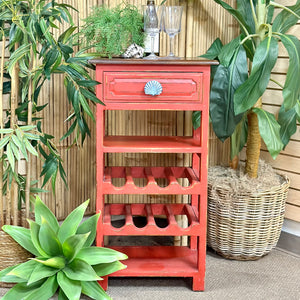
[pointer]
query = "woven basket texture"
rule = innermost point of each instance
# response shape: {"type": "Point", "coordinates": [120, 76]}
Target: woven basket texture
{"type": "Point", "coordinates": [247, 227]}
{"type": "Point", "coordinates": [11, 253]}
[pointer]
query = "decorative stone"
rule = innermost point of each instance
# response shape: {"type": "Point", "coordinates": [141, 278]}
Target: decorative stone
{"type": "Point", "coordinates": [134, 51]}
{"type": "Point", "coordinates": [153, 88]}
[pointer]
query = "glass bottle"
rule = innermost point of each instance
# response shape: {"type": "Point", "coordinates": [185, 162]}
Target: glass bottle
{"type": "Point", "coordinates": [153, 17]}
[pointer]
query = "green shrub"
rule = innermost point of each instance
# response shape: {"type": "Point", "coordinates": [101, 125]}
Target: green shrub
{"type": "Point", "coordinates": [112, 30]}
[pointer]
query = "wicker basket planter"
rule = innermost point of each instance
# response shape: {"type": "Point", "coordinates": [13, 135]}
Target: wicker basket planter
{"type": "Point", "coordinates": [11, 253]}
{"type": "Point", "coordinates": [247, 227]}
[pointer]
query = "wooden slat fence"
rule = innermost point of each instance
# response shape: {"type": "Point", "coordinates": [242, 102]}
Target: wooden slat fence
{"type": "Point", "coordinates": [203, 21]}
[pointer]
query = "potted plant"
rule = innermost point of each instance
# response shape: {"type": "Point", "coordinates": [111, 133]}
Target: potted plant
{"type": "Point", "coordinates": [247, 224]}
{"type": "Point", "coordinates": [64, 258]}
{"type": "Point", "coordinates": [112, 30]}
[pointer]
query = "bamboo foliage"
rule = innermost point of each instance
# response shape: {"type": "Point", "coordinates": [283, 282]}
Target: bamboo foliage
{"type": "Point", "coordinates": [35, 54]}
{"type": "Point", "coordinates": [1, 124]}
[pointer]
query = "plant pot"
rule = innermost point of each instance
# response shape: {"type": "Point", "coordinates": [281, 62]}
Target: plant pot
{"type": "Point", "coordinates": [246, 227]}
{"type": "Point", "coordinates": [11, 253]}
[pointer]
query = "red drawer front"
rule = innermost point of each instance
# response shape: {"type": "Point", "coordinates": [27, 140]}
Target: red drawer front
{"type": "Point", "coordinates": [122, 86]}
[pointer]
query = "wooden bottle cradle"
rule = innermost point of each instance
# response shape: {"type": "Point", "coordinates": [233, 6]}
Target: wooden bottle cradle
{"type": "Point", "coordinates": [185, 86]}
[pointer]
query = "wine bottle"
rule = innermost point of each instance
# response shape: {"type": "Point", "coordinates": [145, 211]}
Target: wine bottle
{"type": "Point", "coordinates": [147, 42]}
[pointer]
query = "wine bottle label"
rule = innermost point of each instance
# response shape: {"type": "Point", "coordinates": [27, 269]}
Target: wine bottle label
{"type": "Point", "coordinates": [147, 43]}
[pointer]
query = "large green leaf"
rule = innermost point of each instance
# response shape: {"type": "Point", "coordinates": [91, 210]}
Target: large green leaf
{"type": "Point", "coordinates": [80, 270]}
{"type": "Point", "coordinates": [214, 50]}
{"type": "Point", "coordinates": [22, 236]}
{"type": "Point", "coordinates": [71, 288]}
{"type": "Point", "coordinates": [297, 109]}
{"type": "Point", "coordinates": [244, 8]}
{"type": "Point", "coordinates": [41, 210]}
{"type": "Point", "coordinates": [252, 89]}
{"type": "Point", "coordinates": [287, 120]}
{"type": "Point", "coordinates": [237, 15]}
{"type": "Point", "coordinates": [40, 272]}
{"type": "Point", "coordinates": [94, 291]}
{"type": "Point", "coordinates": [291, 89]}
{"type": "Point", "coordinates": [224, 85]}
{"type": "Point", "coordinates": [73, 244]}
{"type": "Point", "coordinates": [45, 291]}
{"type": "Point", "coordinates": [108, 268]}
{"type": "Point", "coordinates": [285, 19]}
{"type": "Point", "coordinates": [269, 130]}
{"type": "Point", "coordinates": [229, 50]}
{"type": "Point", "coordinates": [98, 255]}
{"type": "Point", "coordinates": [196, 119]}
{"type": "Point", "coordinates": [70, 224]}
{"type": "Point", "coordinates": [89, 225]}
{"type": "Point", "coordinates": [48, 239]}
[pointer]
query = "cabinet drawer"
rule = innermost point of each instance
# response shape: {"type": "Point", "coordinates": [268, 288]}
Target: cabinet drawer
{"type": "Point", "coordinates": [181, 86]}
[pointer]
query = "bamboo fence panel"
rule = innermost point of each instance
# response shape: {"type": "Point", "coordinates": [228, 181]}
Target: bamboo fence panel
{"type": "Point", "coordinates": [202, 22]}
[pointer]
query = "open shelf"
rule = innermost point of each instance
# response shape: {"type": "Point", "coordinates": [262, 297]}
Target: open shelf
{"type": "Point", "coordinates": [155, 215]}
{"type": "Point", "coordinates": [170, 211]}
{"type": "Point", "coordinates": [151, 175]}
{"type": "Point", "coordinates": [158, 261]}
{"type": "Point", "coordinates": [151, 144]}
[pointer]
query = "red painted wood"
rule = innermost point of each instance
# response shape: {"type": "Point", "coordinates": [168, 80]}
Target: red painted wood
{"type": "Point", "coordinates": [185, 87]}
{"type": "Point", "coordinates": [121, 86]}
{"type": "Point", "coordinates": [154, 144]}
{"type": "Point", "coordinates": [150, 211]}
{"type": "Point", "coordinates": [150, 173]}
{"type": "Point", "coordinates": [158, 261]}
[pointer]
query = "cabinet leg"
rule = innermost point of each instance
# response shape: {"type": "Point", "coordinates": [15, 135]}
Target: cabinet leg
{"type": "Point", "coordinates": [198, 283]}
{"type": "Point", "coordinates": [104, 283]}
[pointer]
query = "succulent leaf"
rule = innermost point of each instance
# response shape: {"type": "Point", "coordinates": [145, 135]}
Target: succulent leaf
{"type": "Point", "coordinates": [73, 245]}
{"type": "Point", "coordinates": [48, 239]}
{"type": "Point", "coordinates": [70, 224]}
{"type": "Point", "coordinates": [108, 268]}
{"type": "Point", "coordinates": [41, 272]}
{"type": "Point", "coordinates": [21, 236]}
{"type": "Point", "coordinates": [40, 209]}
{"type": "Point", "coordinates": [4, 277]}
{"type": "Point", "coordinates": [98, 255]}
{"type": "Point", "coordinates": [80, 270]}
{"type": "Point", "coordinates": [94, 290]}
{"type": "Point", "coordinates": [89, 225]}
{"type": "Point", "coordinates": [45, 291]}
{"type": "Point", "coordinates": [35, 229]}
{"type": "Point", "coordinates": [24, 270]}
{"type": "Point", "coordinates": [21, 290]}
{"type": "Point", "coordinates": [71, 288]}
{"type": "Point", "coordinates": [57, 262]}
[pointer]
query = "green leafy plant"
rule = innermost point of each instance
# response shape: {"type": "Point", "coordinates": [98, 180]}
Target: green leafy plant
{"type": "Point", "coordinates": [37, 50]}
{"type": "Point", "coordinates": [112, 30]}
{"type": "Point", "coordinates": [244, 73]}
{"type": "Point", "coordinates": [64, 258]}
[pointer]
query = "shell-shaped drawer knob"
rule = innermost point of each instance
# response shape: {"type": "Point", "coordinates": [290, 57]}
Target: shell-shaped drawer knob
{"type": "Point", "coordinates": [153, 88]}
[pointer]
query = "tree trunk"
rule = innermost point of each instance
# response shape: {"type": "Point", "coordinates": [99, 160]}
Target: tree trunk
{"type": "Point", "coordinates": [253, 143]}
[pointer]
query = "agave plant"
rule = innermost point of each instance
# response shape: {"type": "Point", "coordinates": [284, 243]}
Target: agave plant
{"type": "Point", "coordinates": [64, 259]}
{"type": "Point", "coordinates": [244, 73]}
